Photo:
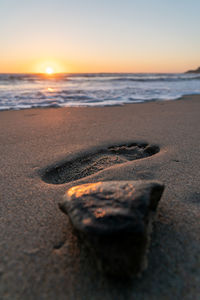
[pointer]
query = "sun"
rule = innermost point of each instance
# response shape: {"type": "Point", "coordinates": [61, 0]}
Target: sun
{"type": "Point", "coordinates": [49, 67]}
{"type": "Point", "coordinates": [49, 70]}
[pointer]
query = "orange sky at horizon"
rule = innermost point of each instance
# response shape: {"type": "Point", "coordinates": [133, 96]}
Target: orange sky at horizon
{"type": "Point", "coordinates": [63, 66]}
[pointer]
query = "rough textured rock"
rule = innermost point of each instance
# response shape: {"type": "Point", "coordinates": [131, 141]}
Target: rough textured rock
{"type": "Point", "coordinates": [114, 220]}
{"type": "Point", "coordinates": [196, 71]}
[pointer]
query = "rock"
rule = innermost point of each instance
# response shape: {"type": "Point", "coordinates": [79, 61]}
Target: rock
{"type": "Point", "coordinates": [114, 220]}
{"type": "Point", "coordinates": [197, 71]}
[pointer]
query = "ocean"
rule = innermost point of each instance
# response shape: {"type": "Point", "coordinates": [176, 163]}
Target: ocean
{"type": "Point", "coordinates": [20, 91]}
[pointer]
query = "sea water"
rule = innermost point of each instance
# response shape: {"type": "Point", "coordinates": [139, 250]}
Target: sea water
{"type": "Point", "coordinates": [19, 91]}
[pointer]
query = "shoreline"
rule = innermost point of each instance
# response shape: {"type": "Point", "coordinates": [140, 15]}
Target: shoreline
{"type": "Point", "coordinates": [41, 258]}
{"type": "Point", "coordinates": [184, 97]}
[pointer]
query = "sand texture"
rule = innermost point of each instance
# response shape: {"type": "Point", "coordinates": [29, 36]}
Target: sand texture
{"type": "Point", "coordinates": [43, 152]}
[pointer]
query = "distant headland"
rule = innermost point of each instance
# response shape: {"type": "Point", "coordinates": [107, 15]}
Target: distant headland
{"type": "Point", "coordinates": [194, 71]}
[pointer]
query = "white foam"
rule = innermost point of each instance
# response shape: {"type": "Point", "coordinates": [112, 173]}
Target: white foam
{"type": "Point", "coordinates": [19, 91]}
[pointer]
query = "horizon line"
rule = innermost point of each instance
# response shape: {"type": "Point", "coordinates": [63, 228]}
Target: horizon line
{"type": "Point", "coordinates": [55, 73]}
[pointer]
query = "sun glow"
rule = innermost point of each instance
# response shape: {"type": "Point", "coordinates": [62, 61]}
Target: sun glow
{"type": "Point", "coordinates": [49, 67]}
{"type": "Point", "coordinates": [49, 70]}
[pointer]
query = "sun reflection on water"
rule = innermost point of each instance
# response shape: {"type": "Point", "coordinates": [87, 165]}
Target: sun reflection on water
{"type": "Point", "coordinates": [50, 89]}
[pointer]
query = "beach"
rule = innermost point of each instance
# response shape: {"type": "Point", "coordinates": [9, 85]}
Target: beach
{"type": "Point", "coordinates": [40, 256]}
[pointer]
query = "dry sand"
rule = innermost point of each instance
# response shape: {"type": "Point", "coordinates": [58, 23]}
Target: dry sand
{"type": "Point", "coordinates": [40, 256]}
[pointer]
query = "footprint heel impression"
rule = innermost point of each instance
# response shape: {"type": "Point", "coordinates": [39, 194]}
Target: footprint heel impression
{"type": "Point", "coordinates": [95, 161]}
{"type": "Point", "coordinates": [114, 220]}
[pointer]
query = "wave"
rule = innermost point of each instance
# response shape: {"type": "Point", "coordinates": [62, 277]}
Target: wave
{"type": "Point", "coordinates": [155, 79]}
{"type": "Point", "coordinates": [19, 91]}
{"type": "Point", "coordinates": [17, 77]}
{"type": "Point", "coordinates": [76, 103]}
{"type": "Point", "coordinates": [32, 77]}
{"type": "Point", "coordinates": [130, 77]}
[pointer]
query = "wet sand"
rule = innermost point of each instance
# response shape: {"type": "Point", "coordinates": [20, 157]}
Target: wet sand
{"type": "Point", "coordinates": [40, 256]}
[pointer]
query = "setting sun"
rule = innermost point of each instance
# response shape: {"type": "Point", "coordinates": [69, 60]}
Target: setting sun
{"type": "Point", "coordinates": [49, 66]}
{"type": "Point", "coordinates": [49, 70]}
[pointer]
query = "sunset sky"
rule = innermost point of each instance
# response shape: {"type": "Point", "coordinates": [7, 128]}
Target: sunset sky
{"type": "Point", "coordinates": [99, 35]}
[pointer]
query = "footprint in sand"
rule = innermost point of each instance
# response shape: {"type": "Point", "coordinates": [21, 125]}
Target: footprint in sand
{"type": "Point", "coordinates": [93, 162]}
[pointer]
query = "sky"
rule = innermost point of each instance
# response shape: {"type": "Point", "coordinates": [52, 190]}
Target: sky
{"type": "Point", "coordinates": [99, 35]}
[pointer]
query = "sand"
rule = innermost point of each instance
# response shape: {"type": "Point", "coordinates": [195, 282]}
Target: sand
{"type": "Point", "coordinates": [40, 256]}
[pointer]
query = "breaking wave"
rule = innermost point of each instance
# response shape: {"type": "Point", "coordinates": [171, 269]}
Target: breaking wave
{"type": "Point", "coordinates": [19, 91]}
